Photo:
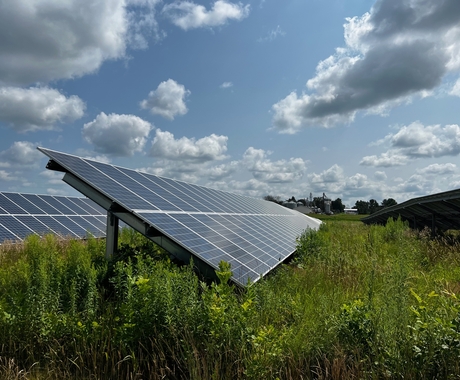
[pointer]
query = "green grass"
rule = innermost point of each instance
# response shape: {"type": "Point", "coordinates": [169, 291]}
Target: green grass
{"type": "Point", "coordinates": [338, 217]}
{"type": "Point", "coordinates": [357, 301]}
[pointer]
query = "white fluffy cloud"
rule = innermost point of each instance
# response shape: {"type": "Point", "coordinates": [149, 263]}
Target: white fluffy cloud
{"type": "Point", "coordinates": [53, 178]}
{"type": "Point", "coordinates": [142, 23]}
{"type": "Point", "coordinates": [393, 52]}
{"type": "Point", "coordinates": [438, 169]}
{"type": "Point", "coordinates": [380, 176]}
{"type": "Point", "coordinates": [417, 141]}
{"type": "Point", "coordinates": [168, 100]}
{"type": "Point", "coordinates": [385, 160]}
{"type": "Point", "coordinates": [118, 135]}
{"type": "Point", "coordinates": [333, 174]}
{"type": "Point", "coordinates": [21, 154]}
{"type": "Point", "coordinates": [266, 170]}
{"type": "Point", "coordinates": [209, 148]}
{"type": "Point", "coordinates": [6, 176]}
{"type": "Point", "coordinates": [188, 15]}
{"type": "Point", "coordinates": [219, 172]}
{"type": "Point", "coordinates": [38, 108]}
{"type": "Point", "coordinates": [44, 40]}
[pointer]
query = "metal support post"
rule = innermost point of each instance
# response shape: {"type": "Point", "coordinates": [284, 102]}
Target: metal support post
{"type": "Point", "coordinates": [111, 239]}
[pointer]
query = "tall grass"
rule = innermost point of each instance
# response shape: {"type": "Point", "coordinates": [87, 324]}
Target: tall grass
{"type": "Point", "coordinates": [356, 301]}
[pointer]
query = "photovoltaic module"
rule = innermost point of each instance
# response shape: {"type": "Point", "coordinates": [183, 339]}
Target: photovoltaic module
{"type": "Point", "coordinates": [25, 214]}
{"type": "Point", "coordinates": [188, 220]}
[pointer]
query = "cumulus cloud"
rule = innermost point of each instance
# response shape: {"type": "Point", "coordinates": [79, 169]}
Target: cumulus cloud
{"type": "Point", "coordinates": [168, 100]}
{"type": "Point", "coordinates": [47, 40]}
{"type": "Point", "coordinates": [251, 187]}
{"type": "Point", "coordinates": [417, 185]}
{"type": "Point", "coordinates": [266, 170]}
{"type": "Point", "coordinates": [21, 154]}
{"type": "Point", "coordinates": [188, 15]}
{"type": "Point", "coordinates": [142, 23]}
{"type": "Point", "coordinates": [38, 108]}
{"type": "Point", "coordinates": [438, 169]}
{"type": "Point", "coordinates": [219, 172]}
{"type": "Point", "coordinates": [209, 148]}
{"type": "Point", "coordinates": [455, 91]}
{"type": "Point", "coordinates": [6, 176]}
{"type": "Point", "coordinates": [333, 174]}
{"type": "Point", "coordinates": [52, 177]}
{"type": "Point", "coordinates": [385, 160]}
{"type": "Point", "coordinates": [417, 141]}
{"type": "Point", "coordinates": [117, 135]}
{"type": "Point", "coordinates": [392, 53]}
{"type": "Point", "coordinates": [380, 176]}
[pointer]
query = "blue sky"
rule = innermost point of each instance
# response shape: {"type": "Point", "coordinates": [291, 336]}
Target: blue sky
{"type": "Point", "coordinates": [358, 99]}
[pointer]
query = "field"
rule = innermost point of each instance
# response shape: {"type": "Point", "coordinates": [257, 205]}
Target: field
{"type": "Point", "coordinates": [338, 217]}
{"type": "Point", "coordinates": [355, 302]}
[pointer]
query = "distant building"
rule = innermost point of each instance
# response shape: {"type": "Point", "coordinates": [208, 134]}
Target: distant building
{"type": "Point", "coordinates": [352, 211]}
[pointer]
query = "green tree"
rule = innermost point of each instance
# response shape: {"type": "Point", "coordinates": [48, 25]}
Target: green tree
{"type": "Point", "coordinates": [362, 207]}
{"type": "Point", "coordinates": [337, 205]}
{"type": "Point", "coordinates": [373, 206]}
{"type": "Point", "coordinates": [389, 202]}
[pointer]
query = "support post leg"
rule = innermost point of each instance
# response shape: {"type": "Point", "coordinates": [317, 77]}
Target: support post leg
{"type": "Point", "coordinates": [111, 239]}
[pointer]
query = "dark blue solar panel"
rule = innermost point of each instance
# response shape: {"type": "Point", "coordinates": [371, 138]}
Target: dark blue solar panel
{"type": "Point", "coordinates": [98, 221]}
{"type": "Point", "coordinates": [15, 226]}
{"type": "Point", "coordinates": [94, 206]}
{"type": "Point", "coordinates": [195, 204]}
{"type": "Point", "coordinates": [5, 234]}
{"type": "Point", "coordinates": [34, 224]}
{"type": "Point", "coordinates": [253, 235]}
{"type": "Point", "coordinates": [40, 203]}
{"type": "Point", "coordinates": [24, 203]}
{"type": "Point", "coordinates": [87, 209]}
{"type": "Point", "coordinates": [70, 205]}
{"type": "Point", "coordinates": [120, 177]}
{"type": "Point", "coordinates": [32, 214]}
{"type": "Point", "coordinates": [10, 207]}
{"type": "Point", "coordinates": [87, 226]}
{"type": "Point", "coordinates": [99, 180]}
{"type": "Point", "coordinates": [54, 225]}
{"type": "Point", "coordinates": [71, 225]}
{"type": "Point", "coordinates": [60, 207]}
{"type": "Point", "coordinates": [196, 192]}
{"type": "Point", "coordinates": [161, 188]}
{"type": "Point", "coordinates": [163, 199]}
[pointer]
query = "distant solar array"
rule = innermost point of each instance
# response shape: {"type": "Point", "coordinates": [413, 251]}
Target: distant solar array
{"type": "Point", "coordinates": [25, 214]}
{"type": "Point", "coordinates": [440, 212]}
{"type": "Point", "coordinates": [188, 220]}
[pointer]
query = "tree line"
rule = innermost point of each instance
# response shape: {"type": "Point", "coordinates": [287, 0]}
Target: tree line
{"type": "Point", "coordinates": [363, 207]}
{"type": "Point", "coordinates": [371, 206]}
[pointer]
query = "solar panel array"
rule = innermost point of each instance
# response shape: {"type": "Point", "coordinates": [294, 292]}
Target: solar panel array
{"type": "Point", "coordinates": [25, 214]}
{"type": "Point", "coordinates": [252, 235]}
{"type": "Point", "coordinates": [440, 212]}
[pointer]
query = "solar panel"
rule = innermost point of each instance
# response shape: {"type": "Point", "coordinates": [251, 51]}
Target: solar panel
{"type": "Point", "coordinates": [205, 224]}
{"type": "Point", "coordinates": [25, 214]}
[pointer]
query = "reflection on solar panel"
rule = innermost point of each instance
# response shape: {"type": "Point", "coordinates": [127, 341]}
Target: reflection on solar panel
{"type": "Point", "coordinates": [191, 221]}
{"type": "Point", "coordinates": [25, 214]}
